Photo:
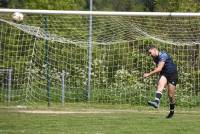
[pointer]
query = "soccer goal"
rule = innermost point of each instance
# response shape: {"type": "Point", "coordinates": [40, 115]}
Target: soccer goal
{"type": "Point", "coordinates": [91, 56]}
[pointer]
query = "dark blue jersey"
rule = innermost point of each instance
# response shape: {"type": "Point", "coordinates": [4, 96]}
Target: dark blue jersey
{"type": "Point", "coordinates": [169, 66]}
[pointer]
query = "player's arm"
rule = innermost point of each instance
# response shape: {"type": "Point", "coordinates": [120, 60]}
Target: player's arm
{"type": "Point", "coordinates": [156, 69]}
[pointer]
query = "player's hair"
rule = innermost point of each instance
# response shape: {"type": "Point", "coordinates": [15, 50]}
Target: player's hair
{"type": "Point", "coordinates": [148, 47]}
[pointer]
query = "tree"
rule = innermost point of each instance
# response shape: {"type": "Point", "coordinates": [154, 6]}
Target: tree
{"type": "Point", "coordinates": [48, 4]}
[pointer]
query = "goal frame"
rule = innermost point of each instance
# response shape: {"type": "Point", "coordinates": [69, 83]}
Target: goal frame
{"type": "Point", "coordinates": [9, 74]}
{"type": "Point", "coordinates": [106, 13]}
{"type": "Point", "coordinates": [96, 13]}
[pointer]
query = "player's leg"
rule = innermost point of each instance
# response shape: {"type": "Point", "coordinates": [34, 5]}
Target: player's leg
{"type": "Point", "coordinates": [160, 87]}
{"type": "Point", "coordinates": [171, 95]}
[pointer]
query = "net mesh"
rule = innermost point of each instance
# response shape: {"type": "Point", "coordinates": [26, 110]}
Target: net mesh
{"type": "Point", "coordinates": [49, 58]}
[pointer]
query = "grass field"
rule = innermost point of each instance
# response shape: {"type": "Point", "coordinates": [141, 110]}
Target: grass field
{"type": "Point", "coordinates": [96, 120]}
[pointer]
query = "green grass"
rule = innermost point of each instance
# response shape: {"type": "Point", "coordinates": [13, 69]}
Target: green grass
{"type": "Point", "coordinates": [100, 121]}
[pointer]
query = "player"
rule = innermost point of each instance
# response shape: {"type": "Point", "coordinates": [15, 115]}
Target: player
{"type": "Point", "coordinates": [168, 76]}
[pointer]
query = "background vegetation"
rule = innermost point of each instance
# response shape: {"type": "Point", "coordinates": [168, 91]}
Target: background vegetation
{"type": "Point", "coordinates": [107, 5]}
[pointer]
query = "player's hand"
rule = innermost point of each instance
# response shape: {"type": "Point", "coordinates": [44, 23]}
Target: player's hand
{"type": "Point", "coordinates": [146, 75]}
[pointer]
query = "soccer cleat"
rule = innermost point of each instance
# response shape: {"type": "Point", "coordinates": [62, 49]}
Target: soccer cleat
{"type": "Point", "coordinates": [153, 103]}
{"type": "Point", "coordinates": [170, 115]}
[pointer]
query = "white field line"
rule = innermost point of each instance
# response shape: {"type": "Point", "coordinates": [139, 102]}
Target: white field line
{"type": "Point", "coordinates": [60, 112]}
{"type": "Point", "coordinates": [87, 111]}
{"type": "Point", "coordinates": [92, 111]}
{"type": "Point", "coordinates": [24, 109]}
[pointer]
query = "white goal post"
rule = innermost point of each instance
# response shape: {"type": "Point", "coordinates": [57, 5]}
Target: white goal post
{"type": "Point", "coordinates": [6, 83]}
{"type": "Point", "coordinates": [67, 56]}
{"type": "Point", "coordinates": [108, 13]}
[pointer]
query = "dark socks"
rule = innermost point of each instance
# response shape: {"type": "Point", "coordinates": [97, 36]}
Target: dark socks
{"type": "Point", "coordinates": [171, 107]}
{"type": "Point", "coordinates": [171, 110]}
{"type": "Point", "coordinates": [158, 96]}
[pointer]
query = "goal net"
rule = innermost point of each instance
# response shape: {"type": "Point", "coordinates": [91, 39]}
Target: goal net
{"type": "Point", "coordinates": [99, 58]}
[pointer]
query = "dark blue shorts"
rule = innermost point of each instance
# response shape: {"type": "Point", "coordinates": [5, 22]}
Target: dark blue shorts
{"type": "Point", "coordinates": [172, 78]}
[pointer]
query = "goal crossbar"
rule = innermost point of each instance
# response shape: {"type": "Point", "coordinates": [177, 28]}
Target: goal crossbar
{"type": "Point", "coordinates": [107, 13]}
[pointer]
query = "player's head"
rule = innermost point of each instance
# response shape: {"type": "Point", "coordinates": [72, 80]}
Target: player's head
{"type": "Point", "coordinates": [152, 51]}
